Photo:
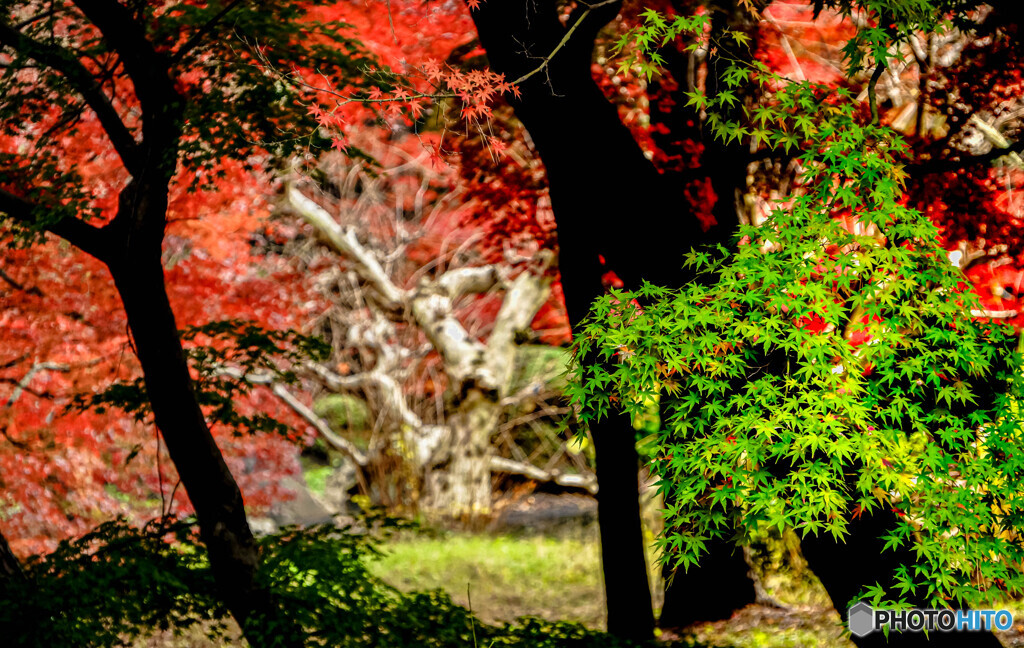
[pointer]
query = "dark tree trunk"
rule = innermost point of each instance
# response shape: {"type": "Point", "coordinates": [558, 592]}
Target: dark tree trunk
{"type": "Point", "coordinates": [720, 584]}
{"type": "Point", "coordinates": [592, 164]}
{"type": "Point", "coordinates": [131, 248]}
{"type": "Point", "coordinates": [10, 566]}
{"type": "Point", "coordinates": [627, 589]}
{"type": "Point", "coordinates": [234, 555]}
{"type": "Point", "coordinates": [863, 561]}
{"type": "Point", "coordinates": [609, 201]}
{"type": "Point", "coordinates": [711, 590]}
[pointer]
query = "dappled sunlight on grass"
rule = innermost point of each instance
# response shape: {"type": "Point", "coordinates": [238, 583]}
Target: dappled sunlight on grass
{"type": "Point", "coordinates": [506, 576]}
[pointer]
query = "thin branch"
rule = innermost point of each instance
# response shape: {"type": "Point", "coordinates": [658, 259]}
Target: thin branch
{"type": "Point", "coordinates": [82, 235]}
{"type": "Point", "coordinates": [339, 442]}
{"type": "Point", "coordinates": [389, 387]}
{"type": "Point", "coordinates": [872, 98]}
{"type": "Point", "coordinates": [786, 47]}
{"type": "Point", "coordinates": [19, 389]}
{"type": "Point", "coordinates": [430, 304]}
{"type": "Point", "coordinates": [147, 68]}
{"type": "Point", "coordinates": [10, 566]}
{"type": "Point", "coordinates": [546, 61]}
{"type": "Point", "coordinates": [197, 37]}
{"type": "Point", "coordinates": [344, 240]}
{"type": "Point", "coordinates": [300, 408]}
{"type": "Point", "coordinates": [31, 290]}
{"type": "Point", "coordinates": [391, 22]}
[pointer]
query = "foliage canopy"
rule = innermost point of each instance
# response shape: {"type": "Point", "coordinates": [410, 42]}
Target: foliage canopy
{"type": "Point", "coordinates": [829, 366]}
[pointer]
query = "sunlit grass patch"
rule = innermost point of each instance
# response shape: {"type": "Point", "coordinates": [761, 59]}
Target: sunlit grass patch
{"type": "Point", "coordinates": [504, 576]}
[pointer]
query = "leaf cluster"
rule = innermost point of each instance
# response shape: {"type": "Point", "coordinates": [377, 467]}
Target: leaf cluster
{"type": "Point", "coordinates": [244, 348]}
{"type": "Point", "coordinates": [119, 583]}
{"type": "Point", "coordinates": [225, 61]}
{"type": "Point", "coordinates": [827, 367]}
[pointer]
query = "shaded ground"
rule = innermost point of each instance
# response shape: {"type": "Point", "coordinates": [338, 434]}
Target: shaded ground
{"type": "Point", "coordinates": [757, 626]}
{"type": "Point", "coordinates": [557, 576]}
{"type": "Point", "coordinates": [542, 558]}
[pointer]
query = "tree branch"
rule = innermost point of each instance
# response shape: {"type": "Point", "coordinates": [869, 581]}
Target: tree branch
{"type": "Point", "coordinates": [468, 281]}
{"type": "Point", "coordinates": [67, 64]}
{"type": "Point", "coordinates": [31, 290]}
{"type": "Point", "coordinates": [565, 39]}
{"type": "Point", "coordinates": [10, 566]}
{"type": "Point", "coordinates": [994, 314]}
{"type": "Point", "coordinates": [523, 299]}
{"type": "Point", "coordinates": [501, 464]}
{"type": "Point", "coordinates": [29, 375]}
{"type": "Point", "coordinates": [197, 37]}
{"type": "Point", "coordinates": [390, 390]}
{"type": "Point", "coordinates": [82, 235]}
{"type": "Point", "coordinates": [345, 242]}
{"type": "Point", "coordinates": [434, 312]}
{"type": "Point", "coordinates": [300, 408]}
{"type": "Point", "coordinates": [872, 98]}
{"type": "Point", "coordinates": [997, 139]}
{"type": "Point", "coordinates": [423, 440]}
{"type": "Point", "coordinates": [146, 67]}
{"type": "Point", "coordinates": [431, 302]}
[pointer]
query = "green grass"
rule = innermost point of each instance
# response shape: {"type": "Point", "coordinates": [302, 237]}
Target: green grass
{"type": "Point", "coordinates": [558, 577]}
{"type": "Point", "coordinates": [507, 576]}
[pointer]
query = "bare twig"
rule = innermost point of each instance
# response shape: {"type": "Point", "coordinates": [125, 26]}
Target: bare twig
{"type": "Point", "coordinates": [30, 374]}
{"type": "Point", "coordinates": [546, 61]}
{"type": "Point", "coordinates": [31, 290]}
{"type": "Point", "coordinates": [300, 408]}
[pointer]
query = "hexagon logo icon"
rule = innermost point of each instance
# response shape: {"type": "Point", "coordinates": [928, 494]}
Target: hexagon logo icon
{"type": "Point", "coordinates": [860, 619]}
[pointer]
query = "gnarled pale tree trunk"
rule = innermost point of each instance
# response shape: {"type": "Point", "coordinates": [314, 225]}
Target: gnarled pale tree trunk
{"type": "Point", "coordinates": [463, 490]}
{"type": "Point", "coordinates": [454, 456]}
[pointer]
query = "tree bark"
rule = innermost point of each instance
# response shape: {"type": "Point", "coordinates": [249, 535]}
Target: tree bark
{"type": "Point", "coordinates": [626, 586]}
{"type": "Point", "coordinates": [609, 202]}
{"type": "Point", "coordinates": [720, 584]}
{"type": "Point", "coordinates": [10, 566]}
{"type": "Point", "coordinates": [863, 560]}
{"type": "Point", "coordinates": [713, 589]}
{"type": "Point", "coordinates": [215, 496]}
{"type": "Point", "coordinates": [462, 490]}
